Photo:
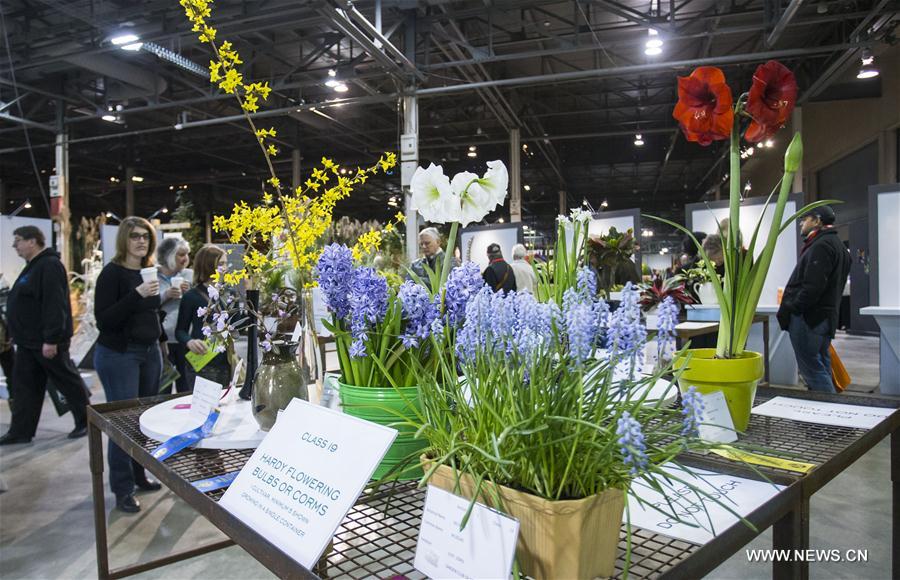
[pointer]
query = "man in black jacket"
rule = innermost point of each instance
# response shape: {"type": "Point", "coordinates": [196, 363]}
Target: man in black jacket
{"type": "Point", "coordinates": [40, 322]}
{"type": "Point", "coordinates": [812, 298]}
{"type": "Point", "coordinates": [499, 275]}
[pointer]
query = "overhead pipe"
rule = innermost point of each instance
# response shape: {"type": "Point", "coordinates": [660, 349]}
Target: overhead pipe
{"type": "Point", "coordinates": [783, 22]}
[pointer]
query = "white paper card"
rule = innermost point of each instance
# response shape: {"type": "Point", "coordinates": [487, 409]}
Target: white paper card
{"type": "Point", "coordinates": [837, 414]}
{"type": "Point", "coordinates": [296, 334]}
{"type": "Point", "coordinates": [205, 398]}
{"type": "Point", "coordinates": [483, 549]}
{"type": "Point", "coordinates": [305, 476]}
{"type": "Point", "coordinates": [716, 424]}
{"type": "Point", "coordinates": [739, 494]}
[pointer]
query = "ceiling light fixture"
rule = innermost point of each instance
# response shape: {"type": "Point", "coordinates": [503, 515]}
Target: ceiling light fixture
{"type": "Point", "coordinates": [526, 187]}
{"type": "Point", "coordinates": [110, 118]}
{"type": "Point", "coordinates": [770, 143]}
{"type": "Point", "coordinates": [114, 179]}
{"type": "Point", "coordinates": [500, 220]}
{"type": "Point", "coordinates": [868, 70]}
{"type": "Point", "coordinates": [111, 216]}
{"type": "Point", "coordinates": [604, 204]}
{"type": "Point", "coordinates": [638, 140]}
{"type": "Point", "coordinates": [472, 154]}
{"type": "Point", "coordinates": [137, 178]}
{"type": "Point", "coordinates": [127, 41]}
{"type": "Point", "coordinates": [472, 147]}
{"type": "Point", "coordinates": [654, 44]}
{"type": "Point", "coordinates": [332, 72]}
{"type": "Point", "coordinates": [18, 210]}
{"type": "Point", "coordinates": [341, 88]}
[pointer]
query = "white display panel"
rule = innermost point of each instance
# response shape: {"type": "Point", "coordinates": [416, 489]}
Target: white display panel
{"type": "Point", "coordinates": [785, 258]}
{"type": "Point", "coordinates": [658, 262]}
{"type": "Point", "coordinates": [10, 262]}
{"type": "Point", "coordinates": [474, 244]}
{"type": "Point", "coordinates": [601, 226]}
{"type": "Point", "coordinates": [108, 242]}
{"type": "Point", "coordinates": [888, 248]}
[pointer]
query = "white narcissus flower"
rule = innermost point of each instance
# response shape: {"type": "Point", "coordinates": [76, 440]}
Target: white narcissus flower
{"type": "Point", "coordinates": [432, 196]}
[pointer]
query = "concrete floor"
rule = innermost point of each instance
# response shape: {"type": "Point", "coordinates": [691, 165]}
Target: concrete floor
{"type": "Point", "coordinates": [46, 517]}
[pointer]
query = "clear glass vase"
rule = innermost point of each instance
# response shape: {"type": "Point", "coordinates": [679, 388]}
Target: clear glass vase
{"type": "Point", "coordinates": [279, 379]}
{"type": "Point", "coordinates": [308, 353]}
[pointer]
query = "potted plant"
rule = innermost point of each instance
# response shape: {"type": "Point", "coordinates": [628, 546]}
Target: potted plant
{"type": "Point", "coordinates": [612, 256]}
{"type": "Point", "coordinates": [541, 427]}
{"type": "Point", "coordinates": [654, 293]}
{"type": "Point", "coordinates": [707, 113]}
{"type": "Point", "coordinates": [700, 285]}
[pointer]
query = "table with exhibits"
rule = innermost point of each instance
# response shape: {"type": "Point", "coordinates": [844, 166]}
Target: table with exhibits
{"type": "Point", "coordinates": [377, 538]}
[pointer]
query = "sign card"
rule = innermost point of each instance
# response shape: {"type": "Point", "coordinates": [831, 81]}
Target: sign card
{"type": "Point", "coordinates": [716, 424]}
{"type": "Point", "coordinates": [739, 494]}
{"type": "Point", "coordinates": [305, 476]}
{"type": "Point", "coordinates": [205, 398]}
{"type": "Point", "coordinates": [837, 414]}
{"type": "Point", "coordinates": [483, 549]}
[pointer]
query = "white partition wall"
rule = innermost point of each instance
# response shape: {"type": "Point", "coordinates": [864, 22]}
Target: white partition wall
{"type": "Point", "coordinates": [10, 262]}
{"type": "Point", "coordinates": [108, 242]}
{"type": "Point", "coordinates": [701, 217]}
{"type": "Point", "coordinates": [884, 244]}
{"type": "Point", "coordinates": [474, 241]}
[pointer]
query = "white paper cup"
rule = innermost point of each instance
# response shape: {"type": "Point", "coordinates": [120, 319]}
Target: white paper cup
{"type": "Point", "coordinates": [177, 281]}
{"type": "Point", "coordinates": [148, 274]}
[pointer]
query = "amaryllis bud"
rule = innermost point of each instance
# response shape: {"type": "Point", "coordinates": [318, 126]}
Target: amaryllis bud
{"type": "Point", "coordinates": [794, 154]}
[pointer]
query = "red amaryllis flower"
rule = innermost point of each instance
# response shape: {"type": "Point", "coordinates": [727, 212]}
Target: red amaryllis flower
{"type": "Point", "coordinates": [771, 100]}
{"type": "Point", "coordinates": [704, 106]}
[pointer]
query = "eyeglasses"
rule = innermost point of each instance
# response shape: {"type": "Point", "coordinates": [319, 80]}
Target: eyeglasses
{"type": "Point", "coordinates": [136, 236]}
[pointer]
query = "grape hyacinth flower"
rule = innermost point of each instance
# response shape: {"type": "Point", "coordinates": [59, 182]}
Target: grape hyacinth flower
{"type": "Point", "coordinates": [368, 305]}
{"type": "Point", "coordinates": [463, 284]}
{"type": "Point", "coordinates": [587, 282]}
{"type": "Point", "coordinates": [665, 337]}
{"type": "Point", "coordinates": [421, 313]}
{"type": "Point", "coordinates": [581, 324]}
{"type": "Point", "coordinates": [334, 272]}
{"type": "Point", "coordinates": [692, 410]}
{"type": "Point", "coordinates": [631, 443]}
{"type": "Point", "coordinates": [626, 335]}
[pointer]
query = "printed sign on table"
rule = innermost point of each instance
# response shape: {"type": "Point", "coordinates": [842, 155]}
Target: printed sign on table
{"type": "Point", "coordinates": [483, 549]}
{"type": "Point", "coordinates": [836, 414]}
{"type": "Point", "coordinates": [204, 398]}
{"type": "Point", "coordinates": [702, 518]}
{"type": "Point", "coordinates": [305, 476]}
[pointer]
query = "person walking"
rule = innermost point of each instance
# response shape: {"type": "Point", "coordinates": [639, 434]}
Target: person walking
{"type": "Point", "coordinates": [524, 273]}
{"type": "Point", "coordinates": [189, 328]}
{"type": "Point", "coordinates": [127, 355]}
{"type": "Point", "coordinates": [499, 274]}
{"type": "Point", "coordinates": [812, 298]}
{"type": "Point", "coordinates": [40, 323]}
{"type": "Point", "coordinates": [172, 258]}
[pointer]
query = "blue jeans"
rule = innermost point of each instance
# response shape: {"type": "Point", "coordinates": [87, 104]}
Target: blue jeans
{"type": "Point", "coordinates": [811, 348]}
{"type": "Point", "coordinates": [127, 375]}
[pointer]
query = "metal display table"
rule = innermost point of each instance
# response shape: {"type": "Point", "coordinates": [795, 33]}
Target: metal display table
{"type": "Point", "coordinates": [378, 536]}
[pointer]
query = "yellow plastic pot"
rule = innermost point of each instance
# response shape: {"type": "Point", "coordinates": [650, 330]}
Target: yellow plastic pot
{"type": "Point", "coordinates": [736, 378]}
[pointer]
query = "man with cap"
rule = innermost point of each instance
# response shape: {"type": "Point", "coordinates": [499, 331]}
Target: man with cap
{"type": "Point", "coordinates": [499, 275]}
{"type": "Point", "coordinates": [812, 298]}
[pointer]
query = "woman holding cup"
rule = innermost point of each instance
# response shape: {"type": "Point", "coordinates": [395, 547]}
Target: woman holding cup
{"type": "Point", "coordinates": [127, 355]}
{"type": "Point", "coordinates": [173, 257]}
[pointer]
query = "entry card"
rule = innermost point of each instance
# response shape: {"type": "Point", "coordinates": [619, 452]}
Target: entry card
{"type": "Point", "coordinates": [483, 549]}
{"type": "Point", "coordinates": [305, 476]}
{"type": "Point", "coordinates": [716, 424]}
{"type": "Point", "coordinates": [206, 396]}
{"type": "Point", "coordinates": [701, 518]}
{"type": "Point", "coordinates": [837, 414]}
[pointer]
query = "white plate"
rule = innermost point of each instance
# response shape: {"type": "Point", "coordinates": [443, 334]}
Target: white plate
{"type": "Point", "coordinates": [235, 429]}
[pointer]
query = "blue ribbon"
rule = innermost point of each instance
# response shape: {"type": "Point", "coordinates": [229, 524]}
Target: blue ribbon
{"type": "Point", "coordinates": [179, 442]}
{"type": "Point", "coordinates": [217, 482]}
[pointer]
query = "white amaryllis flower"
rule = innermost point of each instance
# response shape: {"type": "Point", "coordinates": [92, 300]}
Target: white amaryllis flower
{"type": "Point", "coordinates": [474, 200]}
{"type": "Point", "coordinates": [432, 196]}
{"type": "Point", "coordinates": [495, 182]}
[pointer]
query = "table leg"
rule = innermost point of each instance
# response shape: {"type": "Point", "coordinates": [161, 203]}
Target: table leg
{"type": "Point", "coordinates": [792, 533]}
{"type": "Point", "coordinates": [895, 484]}
{"type": "Point", "coordinates": [95, 445]}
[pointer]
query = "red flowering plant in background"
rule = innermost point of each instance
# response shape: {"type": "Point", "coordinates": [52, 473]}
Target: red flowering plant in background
{"type": "Point", "coordinates": [706, 112]}
{"type": "Point", "coordinates": [654, 293]}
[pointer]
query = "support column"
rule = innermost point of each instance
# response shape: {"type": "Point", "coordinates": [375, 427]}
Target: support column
{"type": "Point", "coordinates": [797, 127]}
{"type": "Point", "coordinates": [59, 202]}
{"type": "Point", "coordinates": [562, 202]}
{"type": "Point", "coordinates": [296, 178]}
{"type": "Point", "coordinates": [208, 227]}
{"type": "Point", "coordinates": [129, 191]}
{"type": "Point", "coordinates": [409, 161]}
{"type": "Point", "coordinates": [515, 176]}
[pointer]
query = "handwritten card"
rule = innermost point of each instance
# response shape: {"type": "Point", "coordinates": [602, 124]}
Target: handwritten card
{"type": "Point", "coordinates": [837, 414]}
{"type": "Point", "coordinates": [205, 398]}
{"type": "Point", "coordinates": [716, 425]}
{"type": "Point", "coordinates": [484, 548]}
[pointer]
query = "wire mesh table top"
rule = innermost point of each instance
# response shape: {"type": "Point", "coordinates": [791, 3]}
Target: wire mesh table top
{"type": "Point", "coordinates": [378, 536]}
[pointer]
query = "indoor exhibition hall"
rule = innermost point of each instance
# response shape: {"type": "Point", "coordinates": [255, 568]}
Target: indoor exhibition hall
{"type": "Point", "coordinates": [497, 289]}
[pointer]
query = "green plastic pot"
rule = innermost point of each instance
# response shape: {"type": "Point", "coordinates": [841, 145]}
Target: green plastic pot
{"type": "Point", "coordinates": [389, 406]}
{"type": "Point", "coordinates": [737, 378]}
